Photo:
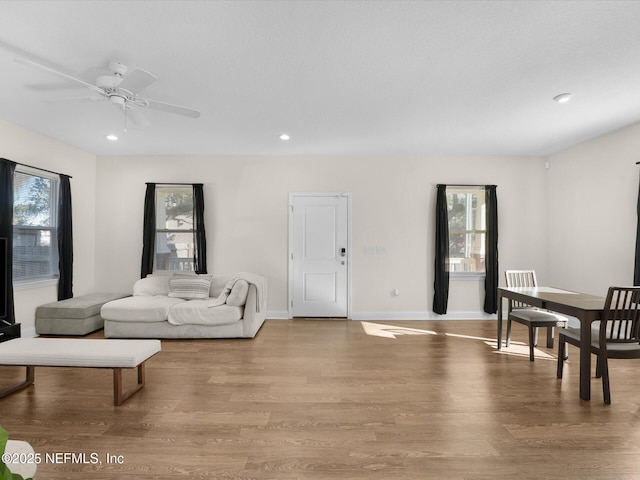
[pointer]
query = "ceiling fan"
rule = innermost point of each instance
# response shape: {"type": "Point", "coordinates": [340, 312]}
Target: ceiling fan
{"type": "Point", "coordinates": [121, 88]}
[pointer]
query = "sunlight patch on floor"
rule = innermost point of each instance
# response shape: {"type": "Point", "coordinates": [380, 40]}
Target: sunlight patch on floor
{"type": "Point", "coordinates": [484, 339]}
{"type": "Point", "coordinates": [519, 349]}
{"type": "Point", "coordinates": [392, 331]}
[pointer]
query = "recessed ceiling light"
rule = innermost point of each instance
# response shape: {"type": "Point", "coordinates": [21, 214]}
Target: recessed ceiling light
{"type": "Point", "coordinates": [562, 98]}
{"type": "Point", "coordinates": [284, 136]}
{"type": "Point", "coordinates": [111, 137]}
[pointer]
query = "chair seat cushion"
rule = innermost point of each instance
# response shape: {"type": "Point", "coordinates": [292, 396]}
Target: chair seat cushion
{"type": "Point", "coordinates": [532, 315]}
{"type": "Point", "coordinates": [574, 334]}
{"type": "Point", "coordinates": [612, 347]}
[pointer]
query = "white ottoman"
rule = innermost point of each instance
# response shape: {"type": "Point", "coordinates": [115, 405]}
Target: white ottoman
{"type": "Point", "coordinates": [73, 316]}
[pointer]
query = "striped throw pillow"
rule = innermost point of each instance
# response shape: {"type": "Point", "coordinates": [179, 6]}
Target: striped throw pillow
{"type": "Point", "coordinates": [189, 286]}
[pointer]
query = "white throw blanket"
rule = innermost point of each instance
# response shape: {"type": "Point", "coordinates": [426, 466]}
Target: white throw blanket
{"type": "Point", "coordinates": [250, 278]}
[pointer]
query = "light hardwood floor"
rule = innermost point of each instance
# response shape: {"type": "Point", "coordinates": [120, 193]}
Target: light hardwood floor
{"type": "Point", "coordinates": [335, 399]}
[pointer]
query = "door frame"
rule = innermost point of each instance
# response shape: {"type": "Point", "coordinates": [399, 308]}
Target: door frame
{"type": "Point", "coordinates": [292, 196]}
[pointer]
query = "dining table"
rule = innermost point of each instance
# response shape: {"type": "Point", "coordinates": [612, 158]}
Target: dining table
{"type": "Point", "coordinates": [584, 307]}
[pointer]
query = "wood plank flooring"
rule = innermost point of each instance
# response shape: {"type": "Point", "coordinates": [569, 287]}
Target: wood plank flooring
{"type": "Point", "coordinates": [335, 399]}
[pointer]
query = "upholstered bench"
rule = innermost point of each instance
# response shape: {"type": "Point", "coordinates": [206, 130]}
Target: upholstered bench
{"type": "Point", "coordinates": [74, 316]}
{"type": "Point", "coordinates": [77, 352]}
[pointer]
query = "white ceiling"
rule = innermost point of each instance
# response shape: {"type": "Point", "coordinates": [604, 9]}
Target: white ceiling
{"type": "Point", "coordinates": [340, 77]}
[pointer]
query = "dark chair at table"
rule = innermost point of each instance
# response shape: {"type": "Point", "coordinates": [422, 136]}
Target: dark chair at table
{"type": "Point", "coordinates": [617, 337]}
{"type": "Point", "coordinates": [530, 316]}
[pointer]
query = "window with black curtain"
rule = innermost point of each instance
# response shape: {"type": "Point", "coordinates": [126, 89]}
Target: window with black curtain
{"type": "Point", "coordinates": [36, 228]}
{"type": "Point", "coordinates": [466, 242]}
{"type": "Point", "coordinates": [174, 233]}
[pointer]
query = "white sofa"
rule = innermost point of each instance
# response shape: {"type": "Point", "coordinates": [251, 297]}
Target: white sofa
{"type": "Point", "coordinates": [234, 306]}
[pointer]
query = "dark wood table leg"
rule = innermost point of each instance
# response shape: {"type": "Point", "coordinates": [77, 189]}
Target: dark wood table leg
{"type": "Point", "coordinates": [499, 319]}
{"type": "Point", "coordinates": [550, 331]}
{"type": "Point", "coordinates": [585, 357]}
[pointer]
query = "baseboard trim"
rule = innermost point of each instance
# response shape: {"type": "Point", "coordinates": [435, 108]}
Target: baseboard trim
{"type": "Point", "coordinates": [387, 316]}
{"type": "Point", "coordinates": [28, 332]}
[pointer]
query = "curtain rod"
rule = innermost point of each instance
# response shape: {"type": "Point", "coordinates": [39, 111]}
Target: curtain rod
{"type": "Point", "coordinates": [42, 169]}
{"type": "Point", "coordinates": [172, 183]}
{"type": "Point", "coordinates": [462, 185]}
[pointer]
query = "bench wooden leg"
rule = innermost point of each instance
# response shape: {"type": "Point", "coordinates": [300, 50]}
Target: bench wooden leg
{"type": "Point", "coordinates": [29, 378]}
{"type": "Point", "coordinates": [119, 396]}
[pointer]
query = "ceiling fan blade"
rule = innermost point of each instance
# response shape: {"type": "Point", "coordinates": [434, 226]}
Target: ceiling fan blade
{"type": "Point", "coordinates": [136, 117]}
{"type": "Point", "coordinates": [24, 61]}
{"type": "Point", "coordinates": [93, 98]}
{"type": "Point", "coordinates": [137, 80]}
{"type": "Point", "coordinates": [169, 108]}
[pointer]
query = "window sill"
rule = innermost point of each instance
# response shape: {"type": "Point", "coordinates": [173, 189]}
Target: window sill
{"type": "Point", "coordinates": [49, 282]}
{"type": "Point", "coordinates": [467, 277]}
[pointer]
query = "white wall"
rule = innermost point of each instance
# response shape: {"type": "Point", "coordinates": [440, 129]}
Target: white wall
{"type": "Point", "coordinates": [574, 222]}
{"type": "Point", "coordinates": [393, 200]}
{"type": "Point", "coordinates": [592, 226]}
{"type": "Point", "coordinates": [24, 146]}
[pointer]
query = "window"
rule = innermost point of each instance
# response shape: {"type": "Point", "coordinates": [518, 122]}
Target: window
{"type": "Point", "coordinates": [35, 209]}
{"type": "Point", "coordinates": [467, 229]}
{"type": "Point", "coordinates": [175, 233]}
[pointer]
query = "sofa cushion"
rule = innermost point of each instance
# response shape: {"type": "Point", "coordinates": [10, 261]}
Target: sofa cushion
{"type": "Point", "coordinates": [142, 308]}
{"type": "Point", "coordinates": [152, 285]}
{"type": "Point", "coordinates": [238, 295]}
{"type": "Point", "coordinates": [198, 312]}
{"type": "Point", "coordinates": [218, 283]}
{"type": "Point", "coordinates": [189, 286]}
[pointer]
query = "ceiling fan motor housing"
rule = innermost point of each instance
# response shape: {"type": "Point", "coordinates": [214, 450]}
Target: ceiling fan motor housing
{"type": "Point", "coordinates": [108, 82]}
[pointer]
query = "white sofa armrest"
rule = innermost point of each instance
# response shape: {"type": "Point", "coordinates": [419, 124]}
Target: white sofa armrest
{"type": "Point", "coordinates": [254, 317]}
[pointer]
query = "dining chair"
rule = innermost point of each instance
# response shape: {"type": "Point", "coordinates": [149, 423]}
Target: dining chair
{"type": "Point", "coordinates": [530, 316]}
{"type": "Point", "coordinates": [617, 336]}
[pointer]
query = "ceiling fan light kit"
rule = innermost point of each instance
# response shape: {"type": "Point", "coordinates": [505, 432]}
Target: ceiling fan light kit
{"type": "Point", "coordinates": [122, 88]}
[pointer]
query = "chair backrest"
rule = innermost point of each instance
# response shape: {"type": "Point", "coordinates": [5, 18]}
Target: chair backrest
{"type": "Point", "coordinates": [622, 314]}
{"type": "Point", "coordinates": [520, 278]}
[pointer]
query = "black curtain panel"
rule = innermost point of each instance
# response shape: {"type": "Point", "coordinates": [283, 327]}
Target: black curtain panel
{"type": "Point", "coordinates": [200, 250]}
{"type": "Point", "coordinates": [65, 240]}
{"type": "Point", "coordinates": [491, 259]}
{"type": "Point", "coordinates": [148, 231]}
{"type": "Point", "coordinates": [636, 270]}
{"type": "Point", "coordinates": [441, 274]}
{"type": "Point", "coordinates": [7, 169]}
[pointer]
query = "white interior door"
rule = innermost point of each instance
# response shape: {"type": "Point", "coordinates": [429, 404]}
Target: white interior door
{"type": "Point", "coordinates": [319, 255]}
